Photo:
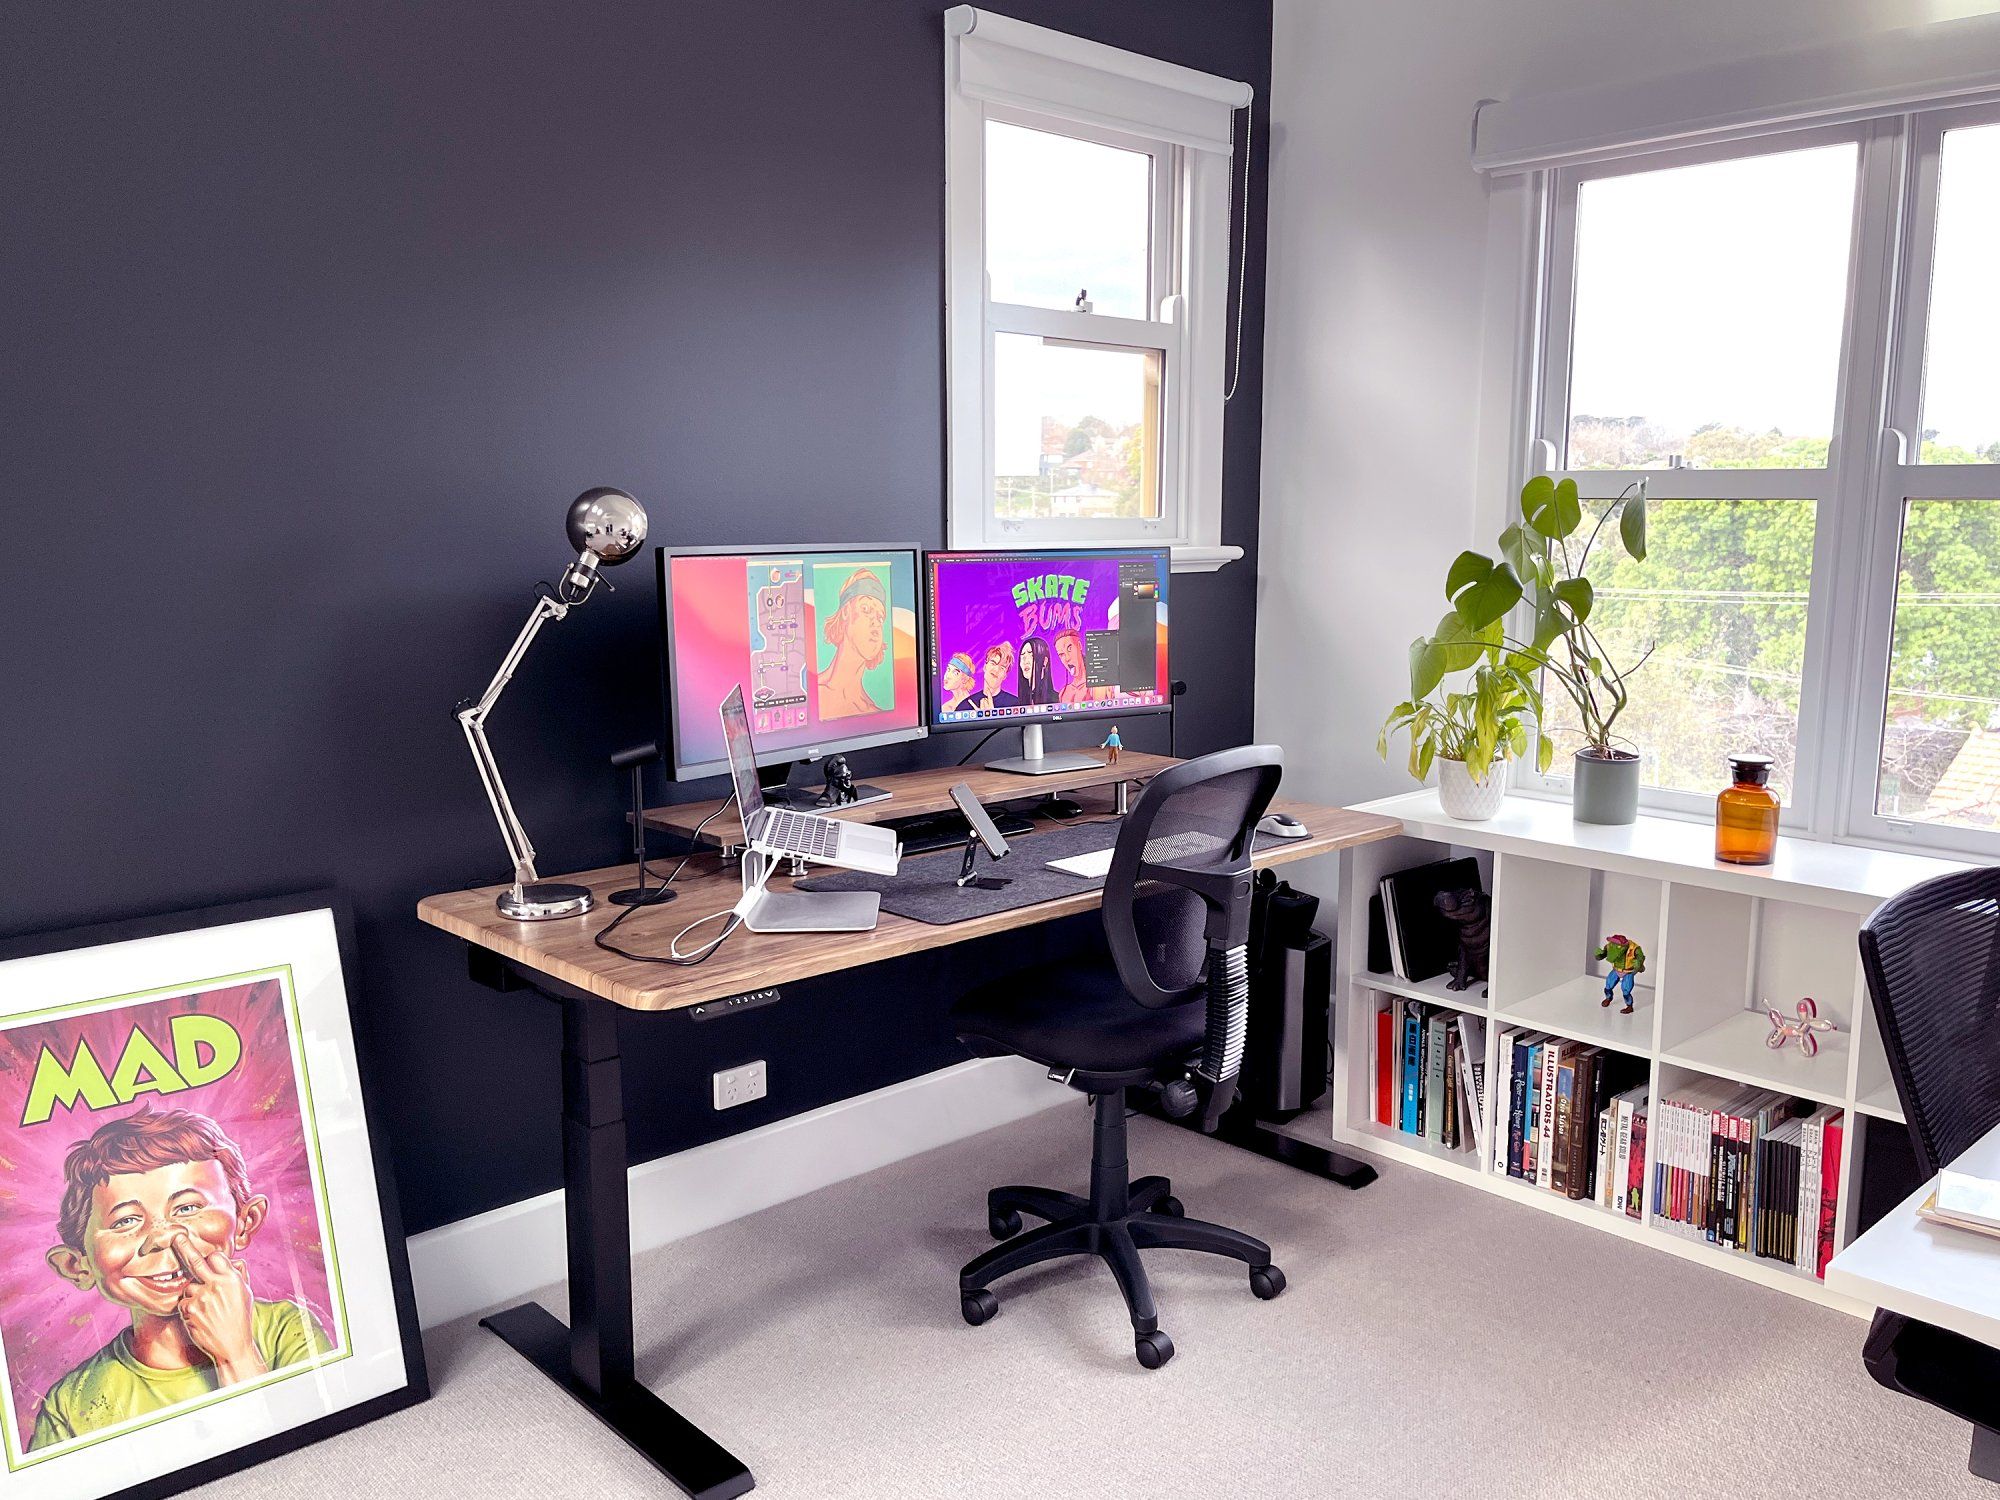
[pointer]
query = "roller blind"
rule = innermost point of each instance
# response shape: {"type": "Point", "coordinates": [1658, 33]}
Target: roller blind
{"type": "Point", "coordinates": [1004, 61]}
{"type": "Point", "coordinates": [1886, 73]}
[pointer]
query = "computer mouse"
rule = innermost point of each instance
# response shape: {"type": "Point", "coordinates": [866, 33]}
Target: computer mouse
{"type": "Point", "coordinates": [1282, 826]}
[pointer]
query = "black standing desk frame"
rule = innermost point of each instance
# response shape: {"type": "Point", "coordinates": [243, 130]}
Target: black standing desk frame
{"type": "Point", "coordinates": [592, 1357]}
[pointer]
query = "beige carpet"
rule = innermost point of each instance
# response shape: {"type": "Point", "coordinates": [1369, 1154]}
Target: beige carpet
{"type": "Point", "coordinates": [1434, 1341]}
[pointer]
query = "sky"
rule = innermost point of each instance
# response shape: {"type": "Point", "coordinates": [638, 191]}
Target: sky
{"type": "Point", "coordinates": [1715, 293]}
{"type": "Point", "coordinates": [1712, 293]}
{"type": "Point", "coordinates": [1063, 216]}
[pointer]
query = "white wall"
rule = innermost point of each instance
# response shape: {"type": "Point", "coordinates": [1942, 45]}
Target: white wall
{"type": "Point", "coordinates": [1372, 391]}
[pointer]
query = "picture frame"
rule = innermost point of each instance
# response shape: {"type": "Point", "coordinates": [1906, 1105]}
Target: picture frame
{"type": "Point", "coordinates": [197, 1204]}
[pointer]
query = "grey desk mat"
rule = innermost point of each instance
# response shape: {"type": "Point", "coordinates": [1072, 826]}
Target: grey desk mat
{"type": "Point", "coordinates": [922, 888]}
{"type": "Point", "coordinates": [925, 888]}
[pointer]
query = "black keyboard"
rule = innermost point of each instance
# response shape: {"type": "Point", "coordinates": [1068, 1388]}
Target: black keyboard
{"type": "Point", "coordinates": [947, 830]}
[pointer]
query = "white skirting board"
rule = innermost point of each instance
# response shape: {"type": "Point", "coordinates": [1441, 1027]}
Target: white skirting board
{"type": "Point", "coordinates": [465, 1267]}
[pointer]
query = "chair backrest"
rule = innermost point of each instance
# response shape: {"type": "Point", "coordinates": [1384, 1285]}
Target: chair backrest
{"type": "Point", "coordinates": [1932, 958]}
{"type": "Point", "coordinates": [1190, 829]}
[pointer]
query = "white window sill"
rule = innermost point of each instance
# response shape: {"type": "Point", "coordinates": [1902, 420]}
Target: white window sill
{"type": "Point", "coordinates": [1203, 559]}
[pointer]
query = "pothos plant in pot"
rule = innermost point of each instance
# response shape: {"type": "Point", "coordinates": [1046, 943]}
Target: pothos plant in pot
{"type": "Point", "coordinates": [1468, 734]}
{"type": "Point", "coordinates": [1541, 563]}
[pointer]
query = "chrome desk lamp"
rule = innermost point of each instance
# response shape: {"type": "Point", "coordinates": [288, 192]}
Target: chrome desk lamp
{"type": "Point", "coordinates": [606, 526]}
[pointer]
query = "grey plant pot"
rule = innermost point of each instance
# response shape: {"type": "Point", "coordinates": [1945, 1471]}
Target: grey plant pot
{"type": "Point", "coordinates": [1605, 791]}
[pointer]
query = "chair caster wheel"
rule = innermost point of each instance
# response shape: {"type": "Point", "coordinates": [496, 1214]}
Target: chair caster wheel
{"type": "Point", "coordinates": [1266, 1282]}
{"type": "Point", "coordinates": [1154, 1349]}
{"type": "Point", "coordinates": [1003, 1226]}
{"type": "Point", "coordinates": [1171, 1206]}
{"type": "Point", "coordinates": [979, 1307]}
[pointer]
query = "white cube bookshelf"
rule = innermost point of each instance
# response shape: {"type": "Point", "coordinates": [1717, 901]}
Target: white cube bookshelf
{"type": "Point", "coordinates": [1722, 943]}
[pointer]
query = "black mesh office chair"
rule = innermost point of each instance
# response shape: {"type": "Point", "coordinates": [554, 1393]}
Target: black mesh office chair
{"type": "Point", "coordinates": [1932, 957]}
{"type": "Point", "coordinates": [1167, 1010]}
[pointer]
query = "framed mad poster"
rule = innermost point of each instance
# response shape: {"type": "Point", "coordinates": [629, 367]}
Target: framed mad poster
{"type": "Point", "coordinates": [201, 1263]}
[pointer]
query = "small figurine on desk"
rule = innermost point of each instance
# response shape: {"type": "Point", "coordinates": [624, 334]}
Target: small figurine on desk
{"type": "Point", "coordinates": [1784, 1029]}
{"type": "Point", "coordinates": [1628, 962]}
{"type": "Point", "coordinates": [839, 782]}
{"type": "Point", "coordinates": [1470, 911]}
{"type": "Point", "coordinates": [1112, 744]}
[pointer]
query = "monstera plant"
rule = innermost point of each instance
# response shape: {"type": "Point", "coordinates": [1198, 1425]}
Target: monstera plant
{"type": "Point", "coordinates": [1540, 564]}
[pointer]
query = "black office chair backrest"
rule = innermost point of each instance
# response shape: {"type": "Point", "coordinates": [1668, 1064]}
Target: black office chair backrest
{"type": "Point", "coordinates": [1192, 829]}
{"type": "Point", "coordinates": [1932, 957]}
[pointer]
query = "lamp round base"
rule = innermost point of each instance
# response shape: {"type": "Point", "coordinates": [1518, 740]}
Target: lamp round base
{"type": "Point", "coordinates": [543, 901]}
{"type": "Point", "coordinates": [654, 895]}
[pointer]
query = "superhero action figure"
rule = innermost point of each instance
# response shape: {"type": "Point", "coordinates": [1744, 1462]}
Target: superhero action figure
{"type": "Point", "coordinates": [1628, 962]}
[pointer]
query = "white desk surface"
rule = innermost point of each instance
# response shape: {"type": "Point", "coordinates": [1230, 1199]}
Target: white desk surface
{"type": "Point", "coordinates": [1941, 1275]}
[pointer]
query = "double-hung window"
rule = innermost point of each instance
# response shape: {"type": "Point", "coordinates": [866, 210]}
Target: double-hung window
{"type": "Point", "coordinates": [1088, 268]}
{"type": "Point", "coordinates": [1789, 334]}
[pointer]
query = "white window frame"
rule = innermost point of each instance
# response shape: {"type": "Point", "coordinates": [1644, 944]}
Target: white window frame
{"type": "Point", "coordinates": [1911, 186]}
{"type": "Point", "coordinates": [1180, 120]}
{"type": "Point", "coordinates": [1872, 463]}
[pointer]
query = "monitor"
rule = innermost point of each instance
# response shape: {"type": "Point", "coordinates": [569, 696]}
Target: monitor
{"type": "Point", "coordinates": [1041, 636]}
{"type": "Point", "coordinates": [823, 640]}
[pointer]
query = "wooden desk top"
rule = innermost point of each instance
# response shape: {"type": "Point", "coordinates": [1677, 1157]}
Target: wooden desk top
{"type": "Point", "coordinates": [929, 791]}
{"type": "Point", "coordinates": [563, 950]}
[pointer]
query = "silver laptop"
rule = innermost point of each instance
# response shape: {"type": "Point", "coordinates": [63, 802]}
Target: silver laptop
{"type": "Point", "coordinates": [779, 830]}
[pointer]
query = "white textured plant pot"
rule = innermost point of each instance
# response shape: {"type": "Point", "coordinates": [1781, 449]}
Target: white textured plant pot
{"type": "Point", "coordinates": [1468, 800]}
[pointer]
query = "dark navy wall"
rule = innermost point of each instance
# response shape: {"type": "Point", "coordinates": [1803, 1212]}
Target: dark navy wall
{"type": "Point", "coordinates": [314, 318]}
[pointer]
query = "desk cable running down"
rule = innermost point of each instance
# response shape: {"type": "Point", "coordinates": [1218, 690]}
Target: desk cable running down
{"type": "Point", "coordinates": [673, 955]}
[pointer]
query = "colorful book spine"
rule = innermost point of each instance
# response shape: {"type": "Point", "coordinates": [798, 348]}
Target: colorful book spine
{"type": "Point", "coordinates": [1385, 1066]}
{"type": "Point", "coordinates": [1829, 1191]}
{"type": "Point", "coordinates": [1563, 1137]}
{"type": "Point", "coordinates": [1807, 1252]}
{"type": "Point", "coordinates": [1517, 1106]}
{"type": "Point", "coordinates": [1412, 1066]}
{"type": "Point", "coordinates": [1582, 1139]}
{"type": "Point", "coordinates": [1635, 1189]}
{"type": "Point", "coordinates": [1437, 1068]}
{"type": "Point", "coordinates": [1545, 1112]}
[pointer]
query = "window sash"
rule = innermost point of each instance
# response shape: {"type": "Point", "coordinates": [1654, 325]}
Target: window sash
{"type": "Point", "coordinates": [1919, 141]}
{"type": "Point", "coordinates": [1859, 496]}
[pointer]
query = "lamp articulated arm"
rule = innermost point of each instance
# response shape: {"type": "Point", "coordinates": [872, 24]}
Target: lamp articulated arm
{"type": "Point", "coordinates": [473, 720]}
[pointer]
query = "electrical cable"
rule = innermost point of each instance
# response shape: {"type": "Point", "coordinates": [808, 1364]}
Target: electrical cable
{"type": "Point", "coordinates": [982, 743]}
{"type": "Point", "coordinates": [673, 955]}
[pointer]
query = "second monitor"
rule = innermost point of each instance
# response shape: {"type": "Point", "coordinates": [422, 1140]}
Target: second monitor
{"type": "Point", "coordinates": [1038, 637]}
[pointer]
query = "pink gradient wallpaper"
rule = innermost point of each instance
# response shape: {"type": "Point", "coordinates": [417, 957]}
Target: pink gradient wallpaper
{"type": "Point", "coordinates": [718, 602]}
{"type": "Point", "coordinates": [142, 1061]}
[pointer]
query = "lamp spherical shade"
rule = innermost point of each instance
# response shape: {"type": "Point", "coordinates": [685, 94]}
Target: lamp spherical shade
{"type": "Point", "coordinates": [607, 522]}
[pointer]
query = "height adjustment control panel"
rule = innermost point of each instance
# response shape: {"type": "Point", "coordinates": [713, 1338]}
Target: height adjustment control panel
{"type": "Point", "coordinates": [729, 1005]}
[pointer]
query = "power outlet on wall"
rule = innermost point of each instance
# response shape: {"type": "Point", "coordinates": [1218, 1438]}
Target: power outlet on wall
{"type": "Point", "coordinates": [734, 1086]}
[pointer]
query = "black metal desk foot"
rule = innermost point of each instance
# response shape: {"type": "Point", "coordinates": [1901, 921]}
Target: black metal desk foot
{"type": "Point", "coordinates": [1319, 1161]}
{"type": "Point", "coordinates": [696, 1462]}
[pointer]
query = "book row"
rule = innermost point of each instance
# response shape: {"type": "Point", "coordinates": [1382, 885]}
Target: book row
{"type": "Point", "coordinates": [1576, 1119]}
{"type": "Point", "coordinates": [1750, 1171]}
{"type": "Point", "coordinates": [1429, 1067]}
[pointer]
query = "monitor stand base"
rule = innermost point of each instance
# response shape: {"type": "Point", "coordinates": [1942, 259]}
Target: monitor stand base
{"type": "Point", "coordinates": [1044, 765]}
{"type": "Point", "coordinates": [1033, 762]}
{"type": "Point", "coordinates": [807, 798]}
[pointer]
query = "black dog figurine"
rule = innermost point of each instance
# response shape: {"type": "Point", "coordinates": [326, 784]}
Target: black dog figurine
{"type": "Point", "coordinates": [1471, 912]}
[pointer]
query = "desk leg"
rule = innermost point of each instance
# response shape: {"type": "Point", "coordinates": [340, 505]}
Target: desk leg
{"type": "Point", "coordinates": [592, 1358]}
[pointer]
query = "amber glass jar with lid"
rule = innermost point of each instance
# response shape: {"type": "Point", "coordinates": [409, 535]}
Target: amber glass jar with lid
{"type": "Point", "coordinates": [1746, 815]}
